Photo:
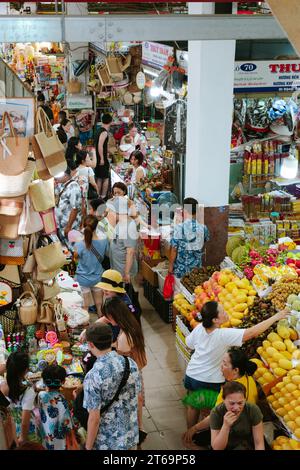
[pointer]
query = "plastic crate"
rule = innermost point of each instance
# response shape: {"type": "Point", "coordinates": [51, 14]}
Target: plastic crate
{"type": "Point", "coordinates": [163, 307]}
{"type": "Point", "coordinates": [149, 292]}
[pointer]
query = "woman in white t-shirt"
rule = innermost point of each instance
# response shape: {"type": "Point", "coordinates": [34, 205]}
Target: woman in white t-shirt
{"type": "Point", "coordinates": [85, 171]}
{"type": "Point", "coordinates": [139, 172]}
{"type": "Point", "coordinates": [210, 343]}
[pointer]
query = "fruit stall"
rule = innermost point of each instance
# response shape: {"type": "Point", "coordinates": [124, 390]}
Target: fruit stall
{"type": "Point", "coordinates": [252, 284]}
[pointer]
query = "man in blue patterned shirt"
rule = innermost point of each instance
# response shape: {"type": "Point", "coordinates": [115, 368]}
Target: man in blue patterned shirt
{"type": "Point", "coordinates": [187, 241]}
{"type": "Point", "coordinates": [117, 428]}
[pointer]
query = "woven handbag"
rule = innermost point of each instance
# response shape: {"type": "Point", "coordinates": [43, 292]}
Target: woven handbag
{"type": "Point", "coordinates": [9, 226]}
{"type": "Point", "coordinates": [14, 150]}
{"type": "Point", "coordinates": [28, 309]}
{"type": "Point", "coordinates": [49, 257]}
{"type": "Point", "coordinates": [8, 319]}
{"type": "Point", "coordinates": [12, 186]}
{"type": "Point", "coordinates": [52, 149]}
{"type": "Point", "coordinates": [42, 194]}
{"type": "Point", "coordinates": [11, 206]}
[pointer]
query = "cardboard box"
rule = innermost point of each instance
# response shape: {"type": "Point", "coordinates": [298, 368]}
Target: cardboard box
{"type": "Point", "coordinates": [147, 272]}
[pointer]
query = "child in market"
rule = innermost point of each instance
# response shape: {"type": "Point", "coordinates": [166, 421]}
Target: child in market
{"type": "Point", "coordinates": [56, 421]}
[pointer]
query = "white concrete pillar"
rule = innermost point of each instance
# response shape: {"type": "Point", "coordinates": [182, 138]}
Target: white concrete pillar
{"type": "Point", "coordinates": [209, 117]}
{"type": "Point", "coordinates": [209, 120]}
{"type": "Point", "coordinates": [79, 50]}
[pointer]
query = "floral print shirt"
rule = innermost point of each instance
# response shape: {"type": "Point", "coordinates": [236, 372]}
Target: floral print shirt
{"type": "Point", "coordinates": [56, 419]}
{"type": "Point", "coordinates": [188, 239]}
{"type": "Point", "coordinates": [70, 198]}
{"type": "Point", "coordinates": [118, 429]}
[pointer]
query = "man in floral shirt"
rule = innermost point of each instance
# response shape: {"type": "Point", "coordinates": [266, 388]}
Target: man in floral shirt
{"type": "Point", "coordinates": [187, 241]}
{"type": "Point", "coordinates": [68, 206]}
{"type": "Point", "coordinates": [117, 427]}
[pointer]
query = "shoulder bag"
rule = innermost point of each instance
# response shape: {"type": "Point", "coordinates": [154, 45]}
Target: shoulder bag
{"type": "Point", "coordinates": [123, 382]}
{"type": "Point", "coordinates": [82, 414]}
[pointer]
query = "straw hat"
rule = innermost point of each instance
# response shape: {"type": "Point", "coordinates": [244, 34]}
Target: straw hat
{"type": "Point", "coordinates": [112, 281]}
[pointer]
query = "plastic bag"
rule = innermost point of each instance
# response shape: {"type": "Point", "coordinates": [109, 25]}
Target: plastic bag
{"type": "Point", "coordinates": [200, 399]}
{"type": "Point", "coordinates": [169, 286]}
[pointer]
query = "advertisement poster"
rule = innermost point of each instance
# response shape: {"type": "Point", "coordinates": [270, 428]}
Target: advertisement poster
{"type": "Point", "coordinates": [266, 76]}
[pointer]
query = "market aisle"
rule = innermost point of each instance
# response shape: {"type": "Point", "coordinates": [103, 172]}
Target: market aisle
{"type": "Point", "coordinates": [164, 415]}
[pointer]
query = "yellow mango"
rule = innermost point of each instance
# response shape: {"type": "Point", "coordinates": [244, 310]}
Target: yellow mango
{"type": "Point", "coordinates": [252, 292]}
{"type": "Point", "coordinates": [258, 362]}
{"type": "Point", "coordinates": [294, 444]}
{"type": "Point", "coordinates": [297, 409]}
{"type": "Point", "coordinates": [261, 381]}
{"type": "Point", "coordinates": [260, 370]}
{"type": "Point", "coordinates": [279, 345]}
{"type": "Point", "coordinates": [268, 377]}
{"type": "Point", "coordinates": [283, 331]}
{"type": "Point", "coordinates": [281, 411]}
{"type": "Point", "coordinates": [273, 365]}
{"type": "Point", "coordinates": [293, 334]}
{"type": "Point", "coordinates": [280, 440]}
{"type": "Point", "coordinates": [238, 315]}
{"type": "Point", "coordinates": [285, 364]}
{"type": "Point", "coordinates": [250, 300]}
{"type": "Point", "coordinates": [280, 372]}
{"type": "Point", "coordinates": [240, 307]}
{"type": "Point", "coordinates": [287, 355]}
{"type": "Point", "coordinates": [235, 322]}
{"type": "Point", "coordinates": [297, 421]}
{"type": "Point", "coordinates": [240, 299]}
{"type": "Point", "coordinates": [291, 425]}
{"type": "Point", "coordinates": [260, 349]}
{"type": "Point", "coordinates": [266, 344]}
{"type": "Point", "coordinates": [278, 356]}
{"type": "Point", "coordinates": [287, 380]}
{"type": "Point", "coordinates": [246, 311]}
{"type": "Point", "coordinates": [296, 379]}
{"type": "Point", "coordinates": [293, 372]}
{"type": "Point", "coordinates": [230, 286]}
{"type": "Point", "coordinates": [276, 405]}
{"type": "Point", "coordinates": [291, 387]}
{"type": "Point", "coordinates": [271, 351]}
{"type": "Point", "coordinates": [289, 345]}
{"type": "Point", "coordinates": [273, 337]}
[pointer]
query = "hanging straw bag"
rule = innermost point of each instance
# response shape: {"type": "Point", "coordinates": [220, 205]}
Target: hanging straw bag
{"type": "Point", "coordinates": [30, 220]}
{"type": "Point", "coordinates": [13, 186]}
{"type": "Point", "coordinates": [49, 257]}
{"type": "Point", "coordinates": [51, 148]}
{"type": "Point", "coordinates": [28, 308]}
{"type": "Point", "coordinates": [42, 194]}
{"type": "Point", "coordinates": [74, 86]}
{"type": "Point", "coordinates": [14, 150]}
{"type": "Point", "coordinates": [9, 226]}
{"type": "Point", "coordinates": [11, 206]}
{"type": "Point", "coordinates": [30, 262]}
{"type": "Point", "coordinates": [46, 314]}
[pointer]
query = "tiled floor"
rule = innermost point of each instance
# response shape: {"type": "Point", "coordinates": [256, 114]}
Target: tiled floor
{"type": "Point", "coordinates": [164, 414]}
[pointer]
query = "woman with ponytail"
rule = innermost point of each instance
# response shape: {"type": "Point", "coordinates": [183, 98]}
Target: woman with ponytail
{"type": "Point", "coordinates": [22, 398]}
{"type": "Point", "coordinates": [90, 253]}
{"type": "Point", "coordinates": [235, 367]}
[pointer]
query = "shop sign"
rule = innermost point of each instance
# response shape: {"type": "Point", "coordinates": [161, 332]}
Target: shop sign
{"type": "Point", "coordinates": [79, 102]}
{"type": "Point", "coordinates": [267, 76]}
{"type": "Point", "coordinates": [155, 54]}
